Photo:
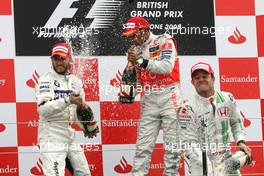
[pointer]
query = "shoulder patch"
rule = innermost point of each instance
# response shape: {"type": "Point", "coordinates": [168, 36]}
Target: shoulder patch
{"type": "Point", "coordinates": [166, 46]}
{"type": "Point", "coordinates": [184, 118]}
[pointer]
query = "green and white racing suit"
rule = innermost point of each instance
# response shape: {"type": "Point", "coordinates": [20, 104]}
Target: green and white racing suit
{"type": "Point", "coordinates": [208, 123]}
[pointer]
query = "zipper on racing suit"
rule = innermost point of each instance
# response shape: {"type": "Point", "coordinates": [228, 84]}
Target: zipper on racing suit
{"type": "Point", "coordinates": [205, 125]}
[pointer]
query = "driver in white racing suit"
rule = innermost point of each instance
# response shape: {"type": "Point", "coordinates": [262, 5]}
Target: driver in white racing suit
{"type": "Point", "coordinates": [157, 66]}
{"type": "Point", "coordinates": [58, 93]}
{"type": "Point", "coordinates": [207, 122]}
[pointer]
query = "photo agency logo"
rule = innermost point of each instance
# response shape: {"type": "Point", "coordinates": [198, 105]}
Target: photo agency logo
{"type": "Point", "coordinates": [212, 31]}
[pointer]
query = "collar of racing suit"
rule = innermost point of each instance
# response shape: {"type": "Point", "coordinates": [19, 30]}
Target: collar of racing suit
{"type": "Point", "coordinates": [151, 37]}
{"type": "Point", "coordinates": [206, 100]}
{"type": "Point", "coordinates": [60, 76]}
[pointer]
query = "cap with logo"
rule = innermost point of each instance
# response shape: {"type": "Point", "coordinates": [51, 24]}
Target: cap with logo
{"type": "Point", "coordinates": [61, 49]}
{"type": "Point", "coordinates": [133, 25]}
{"type": "Point", "coordinates": [202, 66]}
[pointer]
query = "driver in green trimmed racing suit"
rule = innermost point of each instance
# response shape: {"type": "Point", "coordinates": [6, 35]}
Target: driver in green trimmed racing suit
{"type": "Point", "coordinates": [207, 122]}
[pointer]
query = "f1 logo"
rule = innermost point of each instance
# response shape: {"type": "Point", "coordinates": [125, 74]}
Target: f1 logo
{"type": "Point", "coordinates": [84, 12]}
{"type": "Point", "coordinates": [63, 10]}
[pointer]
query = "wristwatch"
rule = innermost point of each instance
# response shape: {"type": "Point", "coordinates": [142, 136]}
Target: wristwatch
{"type": "Point", "coordinates": [142, 62]}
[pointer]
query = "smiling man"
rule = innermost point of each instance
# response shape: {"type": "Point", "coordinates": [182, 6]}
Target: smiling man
{"type": "Point", "coordinates": [207, 123]}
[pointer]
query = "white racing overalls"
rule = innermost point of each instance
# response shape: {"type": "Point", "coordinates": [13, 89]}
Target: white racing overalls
{"type": "Point", "coordinates": [55, 135]}
{"type": "Point", "coordinates": [160, 80]}
{"type": "Point", "coordinates": [208, 123]}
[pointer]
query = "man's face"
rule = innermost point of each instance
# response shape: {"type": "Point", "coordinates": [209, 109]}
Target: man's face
{"type": "Point", "coordinates": [203, 81]}
{"type": "Point", "coordinates": [60, 64]}
{"type": "Point", "coordinates": [139, 38]}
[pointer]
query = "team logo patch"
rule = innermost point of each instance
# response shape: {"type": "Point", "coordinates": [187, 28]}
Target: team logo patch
{"type": "Point", "coordinates": [153, 49]}
{"type": "Point", "coordinates": [129, 26]}
{"type": "Point", "coordinates": [44, 87]}
{"type": "Point", "coordinates": [56, 83]}
{"type": "Point", "coordinates": [76, 86]}
{"type": "Point", "coordinates": [184, 118]}
{"type": "Point", "coordinates": [222, 112]}
{"type": "Point", "coordinates": [61, 94]}
{"type": "Point", "coordinates": [154, 54]}
{"type": "Point", "coordinates": [166, 46]}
